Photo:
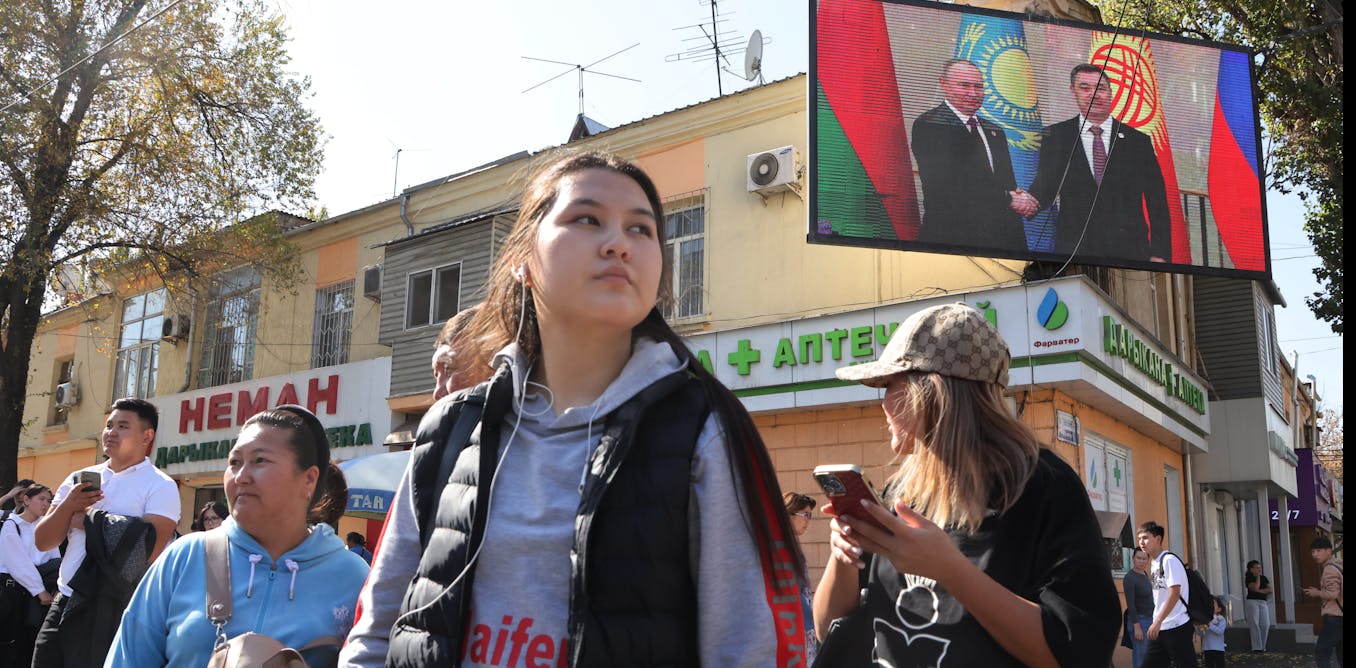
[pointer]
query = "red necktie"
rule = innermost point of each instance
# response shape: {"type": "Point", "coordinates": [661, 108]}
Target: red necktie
{"type": "Point", "coordinates": [1098, 154]}
{"type": "Point", "coordinates": [979, 139]}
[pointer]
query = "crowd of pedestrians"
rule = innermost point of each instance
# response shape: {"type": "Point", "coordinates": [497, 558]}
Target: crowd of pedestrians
{"type": "Point", "coordinates": [583, 492]}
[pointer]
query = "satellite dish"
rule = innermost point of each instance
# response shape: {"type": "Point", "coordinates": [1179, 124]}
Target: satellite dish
{"type": "Point", "coordinates": [753, 57]}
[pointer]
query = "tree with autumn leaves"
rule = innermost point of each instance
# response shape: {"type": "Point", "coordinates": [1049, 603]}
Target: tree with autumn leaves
{"type": "Point", "coordinates": [143, 134]}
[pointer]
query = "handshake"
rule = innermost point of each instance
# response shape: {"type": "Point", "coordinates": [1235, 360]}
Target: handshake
{"type": "Point", "coordinates": [1023, 203]}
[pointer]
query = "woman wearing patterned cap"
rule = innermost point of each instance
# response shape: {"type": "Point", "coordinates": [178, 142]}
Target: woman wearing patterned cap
{"type": "Point", "coordinates": [991, 554]}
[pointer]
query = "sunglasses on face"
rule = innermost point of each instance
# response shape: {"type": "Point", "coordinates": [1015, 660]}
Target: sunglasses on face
{"type": "Point", "coordinates": [804, 513]}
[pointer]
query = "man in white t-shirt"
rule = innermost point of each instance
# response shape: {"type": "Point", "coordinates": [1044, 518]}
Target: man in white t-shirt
{"type": "Point", "coordinates": [1170, 634]}
{"type": "Point", "coordinates": [129, 485]}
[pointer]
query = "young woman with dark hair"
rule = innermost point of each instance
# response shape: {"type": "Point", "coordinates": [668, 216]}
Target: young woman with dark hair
{"type": "Point", "coordinates": [614, 504]}
{"type": "Point", "coordinates": [210, 516]}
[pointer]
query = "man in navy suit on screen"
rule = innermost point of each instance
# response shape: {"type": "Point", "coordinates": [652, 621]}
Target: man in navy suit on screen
{"type": "Point", "coordinates": [1106, 177]}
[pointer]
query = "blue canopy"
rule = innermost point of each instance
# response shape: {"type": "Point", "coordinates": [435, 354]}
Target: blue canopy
{"type": "Point", "coordinates": [372, 482]}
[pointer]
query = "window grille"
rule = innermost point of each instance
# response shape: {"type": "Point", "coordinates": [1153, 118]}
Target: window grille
{"type": "Point", "coordinates": [685, 247]}
{"type": "Point", "coordinates": [333, 325]}
{"type": "Point", "coordinates": [230, 326]}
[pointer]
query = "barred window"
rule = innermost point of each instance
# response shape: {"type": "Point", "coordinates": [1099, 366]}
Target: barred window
{"type": "Point", "coordinates": [432, 295]}
{"type": "Point", "coordinates": [138, 359]}
{"type": "Point", "coordinates": [333, 325]}
{"type": "Point", "coordinates": [685, 245]}
{"type": "Point", "coordinates": [230, 326]}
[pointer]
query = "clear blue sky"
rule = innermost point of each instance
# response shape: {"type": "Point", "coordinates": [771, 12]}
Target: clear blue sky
{"type": "Point", "coordinates": [444, 81]}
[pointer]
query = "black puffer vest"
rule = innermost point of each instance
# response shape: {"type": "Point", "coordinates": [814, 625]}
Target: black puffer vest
{"type": "Point", "coordinates": [632, 599]}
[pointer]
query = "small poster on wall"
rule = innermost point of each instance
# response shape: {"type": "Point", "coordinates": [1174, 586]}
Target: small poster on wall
{"type": "Point", "coordinates": [1094, 476]}
{"type": "Point", "coordinates": [1067, 428]}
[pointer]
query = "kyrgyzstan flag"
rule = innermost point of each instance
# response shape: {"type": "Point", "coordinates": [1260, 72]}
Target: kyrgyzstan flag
{"type": "Point", "coordinates": [1129, 63]}
{"type": "Point", "coordinates": [1233, 178]}
{"type": "Point", "coordinates": [865, 170]}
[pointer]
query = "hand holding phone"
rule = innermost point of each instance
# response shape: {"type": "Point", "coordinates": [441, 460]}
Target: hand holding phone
{"type": "Point", "coordinates": [846, 488]}
{"type": "Point", "coordinates": [91, 479]}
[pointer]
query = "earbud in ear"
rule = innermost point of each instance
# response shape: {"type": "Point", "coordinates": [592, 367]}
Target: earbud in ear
{"type": "Point", "coordinates": [520, 273]}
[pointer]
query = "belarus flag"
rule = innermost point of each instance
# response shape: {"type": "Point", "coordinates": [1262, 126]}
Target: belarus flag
{"type": "Point", "coordinates": [865, 179]}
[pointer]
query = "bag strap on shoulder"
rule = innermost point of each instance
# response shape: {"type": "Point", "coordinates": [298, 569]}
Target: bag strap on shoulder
{"type": "Point", "coordinates": [218, 571]}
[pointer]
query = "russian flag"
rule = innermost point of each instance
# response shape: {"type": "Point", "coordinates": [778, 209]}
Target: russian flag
{"type": "Point", "coordinates": [1233, 179]}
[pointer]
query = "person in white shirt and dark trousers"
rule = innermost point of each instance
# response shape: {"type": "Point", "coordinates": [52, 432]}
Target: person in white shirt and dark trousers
{"type": "Point", "coordinates": [1170, 634]}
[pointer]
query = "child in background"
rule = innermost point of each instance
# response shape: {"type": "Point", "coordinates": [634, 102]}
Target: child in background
{"type": "Point", "coordinates": [1212, 637]}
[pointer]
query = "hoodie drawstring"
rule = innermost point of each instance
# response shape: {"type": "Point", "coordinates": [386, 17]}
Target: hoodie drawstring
{"type": "Point", "coordinates": [292, 588]}
{"type": "Point", "coordinates": [254, 559]}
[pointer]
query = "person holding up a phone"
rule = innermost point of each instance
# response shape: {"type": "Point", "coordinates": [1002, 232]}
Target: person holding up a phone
{"type": "Point", "coordinates": [990, 553]}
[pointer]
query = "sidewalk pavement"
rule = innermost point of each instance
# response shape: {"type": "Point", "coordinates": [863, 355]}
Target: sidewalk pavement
{"type": "Point", "coordinates": [1241, 658]}
{"type": "Point", "coordinates": [1269, 659]}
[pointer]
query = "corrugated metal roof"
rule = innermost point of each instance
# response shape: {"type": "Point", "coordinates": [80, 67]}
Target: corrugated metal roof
{"type": "Point", "coordinates": [455, 222]}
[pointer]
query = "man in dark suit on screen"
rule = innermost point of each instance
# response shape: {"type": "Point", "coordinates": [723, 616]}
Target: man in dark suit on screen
{"type": "Point", "coordinates": [1106, 177]}
{"type": "Point", "coordinates": [965, 169]}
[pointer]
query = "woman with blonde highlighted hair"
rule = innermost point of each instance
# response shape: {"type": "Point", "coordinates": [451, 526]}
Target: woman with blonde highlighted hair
{"type": "Point", "coordinates": [990, 553]}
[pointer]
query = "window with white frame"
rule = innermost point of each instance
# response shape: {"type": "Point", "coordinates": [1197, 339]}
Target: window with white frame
{"type": "Point", "coordinates": [685, 246]}
{"type": "Point", "coordinates": [229, 328]}
{"type": "Point", "coordinates": [333, 328]}
{"type": "Point", "coordinates": [1271, 349]}
{"type": "Point", "coordinates": [432, 295]}
{"type": "Point", "coordinates": [138, 358]}
{"type": "Point", "coordinates": [65, 373]}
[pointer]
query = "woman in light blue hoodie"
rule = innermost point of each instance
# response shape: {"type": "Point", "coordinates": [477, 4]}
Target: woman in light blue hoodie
{"type": "Point", "coordinates": [290, 580]}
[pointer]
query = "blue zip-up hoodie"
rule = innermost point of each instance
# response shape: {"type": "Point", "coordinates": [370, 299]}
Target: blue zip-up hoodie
{"type": "Point", "coordinates": [311, 591]}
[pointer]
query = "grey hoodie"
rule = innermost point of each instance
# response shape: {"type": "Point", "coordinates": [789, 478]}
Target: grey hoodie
{"type": "Point", "coordinates": [520, 595]}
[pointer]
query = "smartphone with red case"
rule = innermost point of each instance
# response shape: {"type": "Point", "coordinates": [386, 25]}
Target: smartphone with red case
{"type": "Point", "coordinates": [845, 486]}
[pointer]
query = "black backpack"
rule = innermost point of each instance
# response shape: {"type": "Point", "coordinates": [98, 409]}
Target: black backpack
{"type": "Point", "coordinates": [1200, 605]}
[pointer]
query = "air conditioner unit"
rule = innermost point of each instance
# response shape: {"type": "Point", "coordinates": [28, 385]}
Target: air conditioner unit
{"type": "Point", "coordinates": [772, 170]}
{"type": "Point", "coordinates": [175, 326]}
{"type": "Point", "coordinates": [372, 282]}
{"type": "Point", "coordinates": [67, 394]}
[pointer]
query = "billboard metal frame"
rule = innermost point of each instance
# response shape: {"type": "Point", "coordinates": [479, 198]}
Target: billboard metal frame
{"type": "Point", "coordinates": [815, 237]}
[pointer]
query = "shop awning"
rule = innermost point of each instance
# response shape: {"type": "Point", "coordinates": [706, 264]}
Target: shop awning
{"type": "Point", "coordinates": [372, 482]}
{"type": "Point", "coordinates": [1116, 526]}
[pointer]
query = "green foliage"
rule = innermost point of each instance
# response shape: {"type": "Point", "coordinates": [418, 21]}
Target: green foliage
{"type": "Point", "coordinates": [136, 138]}
{"type": "Point", "coordinates": [1299, 79]}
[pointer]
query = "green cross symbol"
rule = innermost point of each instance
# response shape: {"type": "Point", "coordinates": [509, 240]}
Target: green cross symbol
{"type": "Point", "coordinates": [745, 356]}
{"type": "Point", "coordinates": [1117, 471]}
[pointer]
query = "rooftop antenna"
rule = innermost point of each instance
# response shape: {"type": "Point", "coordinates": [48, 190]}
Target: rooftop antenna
{"type": "Point", "coordinates": [714, 44]}
{"type": "Point", "coordinates": [395, 178]}
{"type": "Point", "coordinates": [581, 69]}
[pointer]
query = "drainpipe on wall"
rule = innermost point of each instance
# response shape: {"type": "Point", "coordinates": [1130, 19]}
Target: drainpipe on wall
{"type": "Point", "coordinates": [404, 206]}
{"type": "Point", "coordinates": [188, 364]}
{"type": "Point", "coordinates": [1190, 495]}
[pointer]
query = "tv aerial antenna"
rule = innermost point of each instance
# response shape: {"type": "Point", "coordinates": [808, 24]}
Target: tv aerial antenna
{"type": "Point", "coordinates": [716, 43]}
{"type": "Point", "coordinates": [581, 70]}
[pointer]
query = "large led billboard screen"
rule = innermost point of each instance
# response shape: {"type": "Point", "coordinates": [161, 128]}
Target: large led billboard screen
{"type": "Point", "coordinates": [959, 130]}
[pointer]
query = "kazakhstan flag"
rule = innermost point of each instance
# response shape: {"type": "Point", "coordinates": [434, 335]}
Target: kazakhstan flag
{"type": "Point", "coordinates": [998, 47]}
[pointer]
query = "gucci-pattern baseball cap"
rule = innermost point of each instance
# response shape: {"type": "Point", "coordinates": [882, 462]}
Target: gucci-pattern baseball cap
{"type": "Point", "coordinates": [951, 339]}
